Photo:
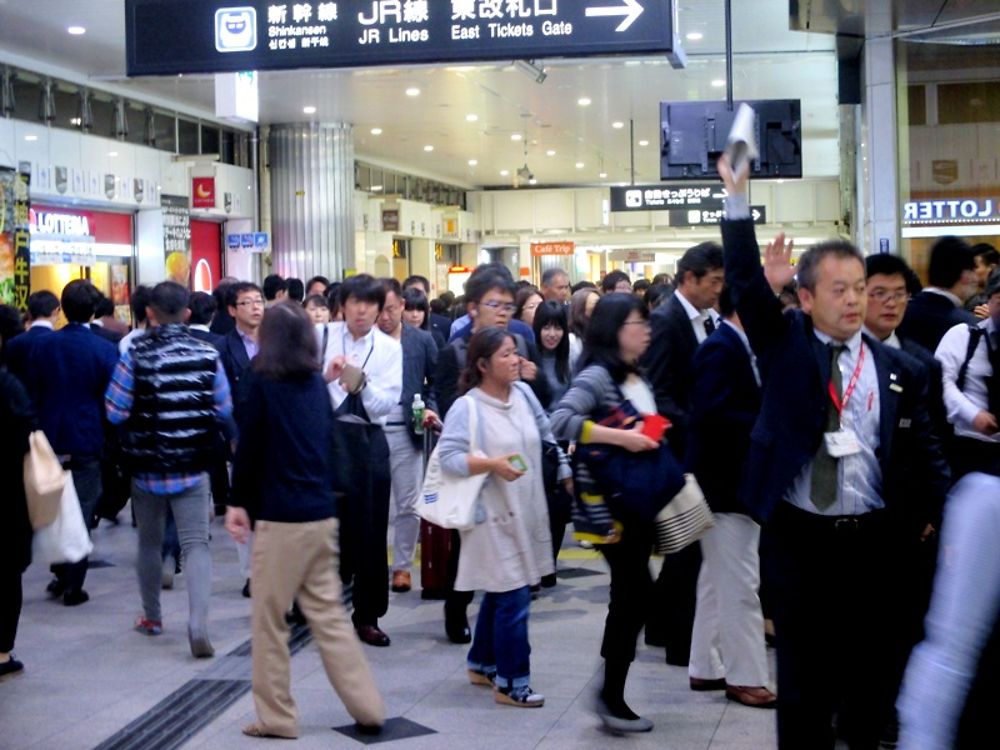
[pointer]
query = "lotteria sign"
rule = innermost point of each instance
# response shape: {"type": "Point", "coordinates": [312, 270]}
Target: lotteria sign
{"type": "Point", "coordinates": [952, 211]}
{"type": "Point", "coordinates": [215, 36]}
{"type": "Point", "coordinates": [63, 225]}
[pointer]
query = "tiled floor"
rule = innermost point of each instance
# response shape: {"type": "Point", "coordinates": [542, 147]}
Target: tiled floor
{"type": "Point", "coordinates": [88, 675]}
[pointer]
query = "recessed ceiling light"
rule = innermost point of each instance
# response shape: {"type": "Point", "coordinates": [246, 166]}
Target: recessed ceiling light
{"type": "Point", "coordinates": [471, 117]}
{"type": "Point", "coordinates": [112, 153]}
{"type": "Point", "coordinates": [718, 83]}
{"type": "Point", "coordinates": [580, 165]}
{"type": "Point", "coordinates": [603, 176]}
{"type": "Point", "coordinates": [376, 188]}
{"type": "Point", "coordinates": [644, 143]}
{"type": "Point", "coordinates": [473, 163]}
{"type": "Point", "coordinates": [413, 91]}
{"type": "Point", "coordinates": [428, 149]}
{"type": "Point", "coordinates": [695, 36]}
{"type": "Point", "coordinates": [516, 137]}
{"type": "Point", "coordinates": [76, 30]}
{"type": "Point", "coordinates": [550, 152]}
{"type": "Point", "coordinates": [309, 110]}
{"type": "Point", "coordinates": [505, 173]}
{"type": "Point", "coordinates": [532, 181]}
{"type": "Point", "coordinates": [376, 131]}
{"type": "Point", "coordinates": [618, 125]}
{"type": "Point", "coordinates": [583, 101]}
{"type": "Point", "coordinates": [31, 137]}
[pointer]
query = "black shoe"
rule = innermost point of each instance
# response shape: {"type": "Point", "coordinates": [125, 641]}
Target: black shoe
{"type": "Point", "coordinates": [549, 581]}
{"type": "Point", "coordinates": [294, 616]}
{"type": "Point", "coordinates": [246, 589]}
{"type": "Point", "coordinates": [373, 636]}
{"type": "Point", "coordinates": [75, 598]}
{"type": "Point", "coordinates": [10, 669]}
{"type": "Point", "coordinates": [56, 588]}
{"type": "Point", "coordinates": [456, 624]}
{"type": "Point", "coordinates": [618, 718]}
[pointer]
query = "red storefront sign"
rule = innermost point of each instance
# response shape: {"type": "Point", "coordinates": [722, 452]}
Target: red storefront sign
{"type": "Point", "coordinates": [202, 192]}
{"type": "Point", "coordinates": [206, 255]}
{"type": "Point", "coordinates": [538, 249]}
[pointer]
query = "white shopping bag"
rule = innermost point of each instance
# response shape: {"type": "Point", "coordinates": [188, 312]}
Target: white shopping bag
{"type": "Point", "coordinates": [66, 540]}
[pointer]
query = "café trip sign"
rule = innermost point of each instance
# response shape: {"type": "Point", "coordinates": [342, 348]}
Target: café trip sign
{"type": "Point", "coordinates": [214, 36]}
{"type": "Point", "coordinates": [539, 249]}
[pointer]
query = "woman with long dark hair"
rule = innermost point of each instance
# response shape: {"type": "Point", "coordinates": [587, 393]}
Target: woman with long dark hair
{"type": "Point", "coordinates": [417, 313]}
{"type": "Point", "coordinates": [581, 307]}
{"type": "Point", "coordinates": [551, 329]}
{"type": "Point", "coordinates": [16, 422]}
{"type": "Point", "coordinates": [508, 550]}
{"type": "Point", "coordinates": [608, 377]}
{"type": "Point", "coordinates": [526, 302]}
{"type": "Point", "coordinates": [283, 480]}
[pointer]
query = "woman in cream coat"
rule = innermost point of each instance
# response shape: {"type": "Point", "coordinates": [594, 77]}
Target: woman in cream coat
{"type": "Point", "coordinates": [509, 549]}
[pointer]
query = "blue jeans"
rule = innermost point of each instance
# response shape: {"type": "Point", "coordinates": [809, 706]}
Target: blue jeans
{"type": "Point", "coordinates": [501, 638]}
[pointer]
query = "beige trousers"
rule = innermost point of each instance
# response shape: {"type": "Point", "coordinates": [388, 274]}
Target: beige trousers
{"type": "Point", "coordinates": [299, 561]}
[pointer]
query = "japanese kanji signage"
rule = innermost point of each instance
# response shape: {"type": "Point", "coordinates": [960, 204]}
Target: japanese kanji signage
{"type": "Point", "coordinates": [15, 239]}
{"type": "Point", "coordinates": [177, 237]}
{"type": "Point", "coordinates": [229, 35]}
{"type": "Point", "coordinates": [666, 197]}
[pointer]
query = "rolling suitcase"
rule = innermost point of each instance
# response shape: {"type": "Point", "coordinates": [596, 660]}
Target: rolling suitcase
{"type": "Point", "coordinates": [435, 546]}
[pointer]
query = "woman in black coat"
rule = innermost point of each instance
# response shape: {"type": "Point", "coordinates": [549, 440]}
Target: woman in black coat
{"type": "Point", "coordinates": [16, 422]}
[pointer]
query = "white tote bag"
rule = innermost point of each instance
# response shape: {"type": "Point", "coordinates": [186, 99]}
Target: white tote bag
{"type": "Point", "coordinates": [66, 540]}
{"type": "Point", "coordinates": [44, 481]}
{"type": "Point", "coordinates": [447, 500]}
{"type": "Point", "coordinates": [684, 520]}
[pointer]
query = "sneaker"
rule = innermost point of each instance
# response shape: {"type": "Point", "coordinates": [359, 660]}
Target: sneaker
{"type": "Point", "coordinates": [148, 627]}
{"type": "Point", "coordinates": [10, 669]}
{"type": "Point", "coordinates": [522, 697]}
{"type": "Point", "coordinates": [481, 677]}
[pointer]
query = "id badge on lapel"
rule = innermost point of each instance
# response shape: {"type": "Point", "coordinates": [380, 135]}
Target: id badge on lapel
{"type": "Point", "coordinates": [843, 442]}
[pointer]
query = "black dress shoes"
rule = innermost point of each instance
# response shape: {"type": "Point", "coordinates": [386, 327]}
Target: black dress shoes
{"type": "Point", "coordinates": [75, 598]}
{"type": "Point", "coordinates": [456, 624]}
{"type": "Point", "coordinates": [373, 636]}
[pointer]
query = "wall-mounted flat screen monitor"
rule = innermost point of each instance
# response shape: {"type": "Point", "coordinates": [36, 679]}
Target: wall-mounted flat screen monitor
{"type": "Point", "coordinates": [693, 137]}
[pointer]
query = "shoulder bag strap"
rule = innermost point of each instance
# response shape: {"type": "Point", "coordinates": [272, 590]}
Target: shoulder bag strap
{"type": "Point", "coordinates": [975, 334]}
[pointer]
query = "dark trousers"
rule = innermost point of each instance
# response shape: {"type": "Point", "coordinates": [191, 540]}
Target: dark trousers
{"type": "Point", "coordinates": [836, 606]}
{"type": "Point", "coordinates": [671, 617]}
{"type": "Point", "coordinates": [631, 592]}
{"type": "Point", "coordinates": [364, 528]}
{"type": "Point", "coordinates": [456, 600]}
{"type": "Point", "coordinates": [967, 455]}
{"type": "Point", "coordinates": [10, 607]}
{"type": "Point", "coordinates": [87, 480]}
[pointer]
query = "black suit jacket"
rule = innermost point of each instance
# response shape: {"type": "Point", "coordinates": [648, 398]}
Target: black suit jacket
{"type": "Point", "coordinates": [105, 334]}
{"type": "Point", "coordinates": [668, 369]}
{"type": "Point", "coordinates": [441, 325]}
{"type": "Point", "coordinates": [17, 351]}
{"type": "Point", "coordinates": [208, 337]}
{"type": "Point", "coordinates": [929, 317]}
{"type": "Point", "coordinates": [725, 402]}
{"type": "Point", "coordinates": [795, 367]}
{"type": "Point", "coordinates": [235, 362]}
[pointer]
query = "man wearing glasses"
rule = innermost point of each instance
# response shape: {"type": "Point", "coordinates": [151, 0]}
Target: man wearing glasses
{"type": "Point", "coordinates": [246, 304]}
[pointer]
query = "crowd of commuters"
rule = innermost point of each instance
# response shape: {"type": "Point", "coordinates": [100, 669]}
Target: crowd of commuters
{"type": "Point", "coordinates": [839, 418]}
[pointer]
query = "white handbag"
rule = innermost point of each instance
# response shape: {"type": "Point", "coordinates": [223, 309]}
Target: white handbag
{"type": "Point", "coordinates": [65, 540]}
{"type": "Point", "coordinates": [447, 500]}
{"type": "Point", "coordinates": [684, 520]}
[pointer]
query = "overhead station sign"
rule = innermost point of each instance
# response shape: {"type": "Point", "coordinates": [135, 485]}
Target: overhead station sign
{"type": "Point", "coordinates": [167, 37]}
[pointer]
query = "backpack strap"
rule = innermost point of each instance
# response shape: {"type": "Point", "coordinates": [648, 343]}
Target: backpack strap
{"type": "Point", "coordinates": [975, 335]}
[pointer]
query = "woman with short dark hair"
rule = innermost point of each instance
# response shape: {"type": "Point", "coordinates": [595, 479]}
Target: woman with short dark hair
{"type": "Point", "coordinates": [283, 482]}
{"type": "Point", "coordinates": [508, 550]}
{"type": "Point", "coordinates": [609, 382]}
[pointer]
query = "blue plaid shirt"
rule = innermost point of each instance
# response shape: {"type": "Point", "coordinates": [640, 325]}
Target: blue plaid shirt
{"type": "Point", "coordinates": [118, 402]}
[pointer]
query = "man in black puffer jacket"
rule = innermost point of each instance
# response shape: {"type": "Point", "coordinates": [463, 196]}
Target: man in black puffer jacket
{"type": "Point", "coordinates": [170, 390]}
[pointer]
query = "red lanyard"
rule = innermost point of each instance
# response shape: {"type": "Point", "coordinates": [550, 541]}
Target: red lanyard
{"type": "Point", "coordinates": [835, 397]}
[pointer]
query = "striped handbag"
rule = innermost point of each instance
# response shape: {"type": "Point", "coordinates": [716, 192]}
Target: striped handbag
{"type": "Point", "coordinates": [684, 520]}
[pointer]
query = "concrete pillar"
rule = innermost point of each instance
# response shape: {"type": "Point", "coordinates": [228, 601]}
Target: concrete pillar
{"type": "Point", "coordinates": [312, 199]}
{"type": "Point", "coordinates": [878, 182]}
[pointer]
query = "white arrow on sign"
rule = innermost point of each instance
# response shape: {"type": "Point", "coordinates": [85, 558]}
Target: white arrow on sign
{"type": "Point", "coordinates": [631, 10]}
{"type": "Point", "coordinates": [756, 215]}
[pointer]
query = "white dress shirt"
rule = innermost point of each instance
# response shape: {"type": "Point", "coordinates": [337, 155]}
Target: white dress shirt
{"type": "Point", "coordinates": [42, 324]}
{"type": "Point", "coordinates": [859, 477]}
{"type": "Point", "coordinates": [697, 317]}
{"type": "Point", "coordinates": [963, 406]}
{"type": "Point", "coordinates": [379, 355]}
{"type": "Point", "coordinates": [944, 293]}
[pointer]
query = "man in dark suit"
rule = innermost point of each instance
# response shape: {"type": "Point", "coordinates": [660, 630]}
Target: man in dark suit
{"type": "Point", "coordinates": [223, 322]}
{"type": "Point", "coordinates": [202, 308]}
{"type": "Point", "coordinates": [104, 320]}
{"type": "Point", "coordinates": [938, 308]}
{"type": "Point", "coordinates": [727, 644]}
{"type": "Point", "coordinates": [843, 436]}
{"type": "Point", "coordinates": [67, 375]}
{"type": "Point", "coordinates": [245, 302]}
{"type": "Point", "coordinates": [43, 311]}
{"type": "Point", "coordinates": [678, 327]}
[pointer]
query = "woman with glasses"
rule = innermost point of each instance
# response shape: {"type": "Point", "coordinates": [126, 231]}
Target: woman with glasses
{"type": "Point", "coordinates": [525, 304]}
{"type": "Point", "coordinates": [608, 377]}
{"type": "Point", "coordinates": [507, 551]}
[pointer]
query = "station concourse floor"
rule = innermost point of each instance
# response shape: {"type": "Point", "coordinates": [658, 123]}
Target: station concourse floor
{"type": "Point", "coordinates": [90, 681]}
